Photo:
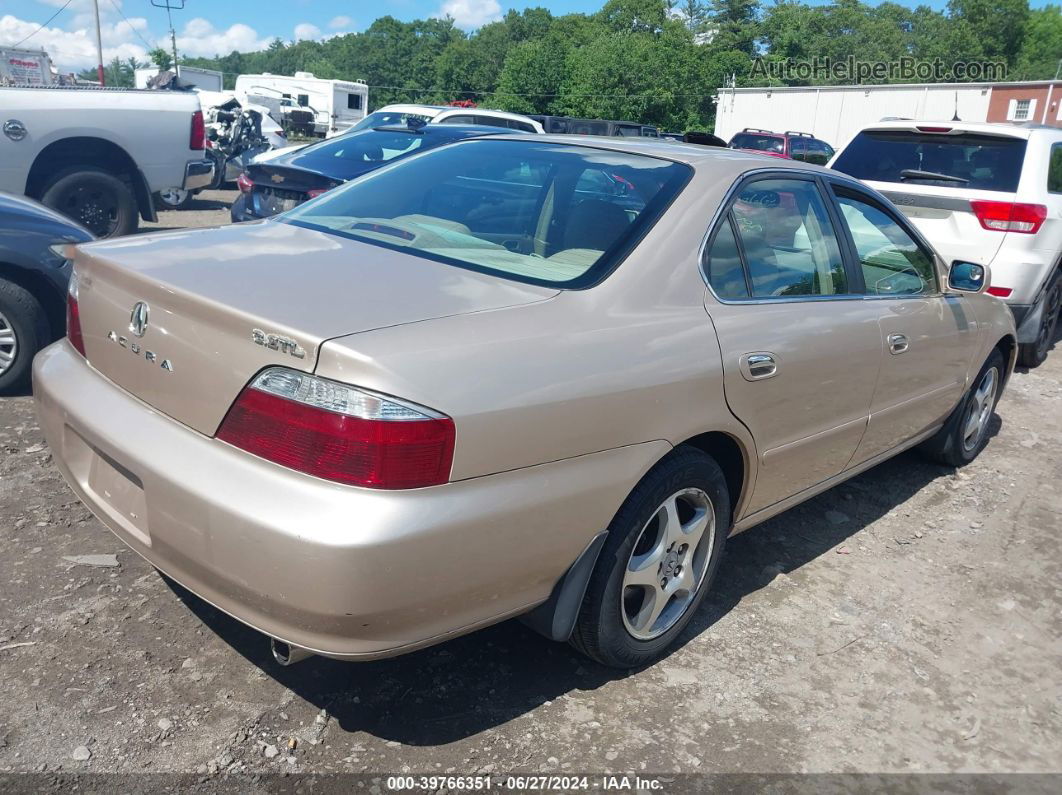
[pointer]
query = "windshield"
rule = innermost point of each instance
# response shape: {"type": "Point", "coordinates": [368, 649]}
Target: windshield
{"type": "Point", "coordinates": [387, 118]}
{"type": "Point", "coordinates": [967, 160]}
{"type": "Point", "coordinates": [550, 214]}
{"type": "Point", "coordinates": [760, 143]}
{"type": "Point", "coordinates": [353, 151]}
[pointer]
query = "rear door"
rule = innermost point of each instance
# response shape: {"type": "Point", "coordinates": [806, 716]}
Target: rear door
{"type": "Point", "coordinates": [932, 174]}
{"type": "Point", "coordinates": [800, 347]}
{"type": "Point", "coordinates": [928, 337]}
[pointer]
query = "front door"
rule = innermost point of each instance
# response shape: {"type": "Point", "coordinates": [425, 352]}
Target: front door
{"type": "Point", "coordinates": [801, 349]}
{"type": "Point", "coordinates": [927, 336]}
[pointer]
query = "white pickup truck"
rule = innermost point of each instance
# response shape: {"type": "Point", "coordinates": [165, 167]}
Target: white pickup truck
{"type": "Point", "coordinates": [97, 155]}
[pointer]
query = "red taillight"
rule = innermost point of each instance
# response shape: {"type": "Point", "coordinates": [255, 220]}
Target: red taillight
{"type": "Point", "coordinates": [1000, 292]}
{"type": "Point", "coordinates": [197, 138]}
{"type": "Point", "coordinates": [1009, 216]}
{"type": "Point", "coordinates": [920, 128]}
{"type": "Point", "coordinates": [313, 193]}
{"type": "Point", "coordinates": [339, 433]}
{"type": "Point", "coordinates": [244, 182]}
{"type": "Point", "coordinates": [73, 318]}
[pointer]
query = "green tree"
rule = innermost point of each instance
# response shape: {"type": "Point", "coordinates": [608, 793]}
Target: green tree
{"type": "Point", "coordinates": [999, 25]}
{"type": "Point", "coordinates": [161, 58]}
{"type": "Point", "coordinates": [1041, 52]}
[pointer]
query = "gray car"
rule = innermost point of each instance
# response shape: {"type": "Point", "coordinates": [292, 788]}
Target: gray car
{"type": "Point", "coordinates": [33, 280]}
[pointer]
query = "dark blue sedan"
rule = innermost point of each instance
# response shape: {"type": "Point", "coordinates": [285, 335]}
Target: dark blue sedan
{"type": "Point", "coordinates": [279, 184]}
{"type": "Point", "coordinates": [33, 282]}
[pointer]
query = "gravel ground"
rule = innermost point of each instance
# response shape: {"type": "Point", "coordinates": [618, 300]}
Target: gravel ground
{"type": "Point", "coordinates": [907, 621]}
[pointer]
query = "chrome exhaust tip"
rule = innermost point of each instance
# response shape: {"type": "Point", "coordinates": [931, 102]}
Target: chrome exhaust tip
{"type": "Point", "coordinates": [286, 654]}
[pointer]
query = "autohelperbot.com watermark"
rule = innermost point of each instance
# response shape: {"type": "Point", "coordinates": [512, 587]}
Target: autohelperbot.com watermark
{"type": "Point", "coordinates": [853, 70]}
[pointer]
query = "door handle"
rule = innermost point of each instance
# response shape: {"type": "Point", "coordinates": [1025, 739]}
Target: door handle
{"type": "Point", "coordinates": [757, 366]}
{"type": "Point", "coordinates": [897, 343]}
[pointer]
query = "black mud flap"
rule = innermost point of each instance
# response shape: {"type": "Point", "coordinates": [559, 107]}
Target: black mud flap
{"type": "Point", "coordinates": [555, 618]}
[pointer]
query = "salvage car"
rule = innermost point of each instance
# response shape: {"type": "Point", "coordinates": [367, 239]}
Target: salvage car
{"type": "Point", "coordinates": [485, 382]}
{"type": "Point", "coordinates": [33, 283]}
{"type": "Point", "coordinates": [278, 184]}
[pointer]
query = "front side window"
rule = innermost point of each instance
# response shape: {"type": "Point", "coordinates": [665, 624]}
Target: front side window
{"type": "Point", "coordinates": [508, 208]}
{"type": "Point", "coordinates": [891, 261]}
{"type": "Point", "coordinates": [788, 243]}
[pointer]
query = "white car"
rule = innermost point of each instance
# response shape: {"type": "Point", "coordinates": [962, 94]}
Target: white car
{"type": "Point", "coordinates": [97, 155]}
{"type": "Point", "coordinates": [980, 192]}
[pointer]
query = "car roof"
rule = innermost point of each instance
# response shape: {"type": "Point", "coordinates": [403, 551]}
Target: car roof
{"type": "Point", "coordinates": [1003, 129]}
{"type": "Point", "coordinates": [719, 158]}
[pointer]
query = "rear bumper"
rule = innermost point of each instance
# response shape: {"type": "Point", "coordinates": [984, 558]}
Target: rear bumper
{"type": "Point", "coordinates": [198, 174]}
{"type": "Point", "coordinates": [346, 572]}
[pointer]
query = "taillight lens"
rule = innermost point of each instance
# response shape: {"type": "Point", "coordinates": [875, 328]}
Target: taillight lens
{"type": "Point", "coordinates": [313, 193]}
{"type": "Point", "coordinates": [244, 182]}
{"type": "Point", "coordinates": [1000, 292]}
{"type": "Point", "coordinates": [197, 137]}
{"type": "Point", "coordinates": [339, 433]}
{"type": "Point", "coordinates": [1009, 216]}
{"type": "Point", "coordinates": [73, 318]}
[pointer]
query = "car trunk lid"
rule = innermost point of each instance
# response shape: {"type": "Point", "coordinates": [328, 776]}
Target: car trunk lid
{"type": "Point", "coordinates": [221, 304]}
{"type": "Point", "coordinates": [278, 187]}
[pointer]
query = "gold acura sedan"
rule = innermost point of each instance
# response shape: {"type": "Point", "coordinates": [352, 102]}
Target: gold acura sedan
{"type": "Point", "coordinates": [508, 377]}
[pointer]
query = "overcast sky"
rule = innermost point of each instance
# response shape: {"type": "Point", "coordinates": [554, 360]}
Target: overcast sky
{"type": "Point", "coordinates": [212, 27]}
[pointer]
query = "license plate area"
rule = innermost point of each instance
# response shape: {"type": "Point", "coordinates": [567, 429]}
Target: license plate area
{"type": "Point", "coordinates": [113, 489]}
{"type": "Point", "coordinates": [271, 202]}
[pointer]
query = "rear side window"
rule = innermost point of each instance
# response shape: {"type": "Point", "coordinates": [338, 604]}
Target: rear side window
{"type": "Point", "coordinates": [787, 244]}
{"type": "Point", "coordinates": [1054, 170]}
{"type": "Point", "coordinates": [967, 160]}
{"type": "Point", "coordinates": [760, 143]}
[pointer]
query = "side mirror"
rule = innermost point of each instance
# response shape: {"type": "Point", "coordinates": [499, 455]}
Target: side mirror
{"type": "Point", "coordinates": [968, 277]}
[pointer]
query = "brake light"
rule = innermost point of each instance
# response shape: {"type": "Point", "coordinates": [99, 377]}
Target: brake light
{"type": "Point", "coordinates": [1009, 216]}
{"type": "Point", "coordinates": [340, 433]}
{"type": "Point", "coordinates": [73, 318]}
{"type": "Point", "coordinates": [313, 193]}
{"type": "Point", "coordinates": [244, 182]}
{"type": "Point", "coordinates": [1000, 292]}
{"type": "Point", "coordinates": [197, 137]}
{"type": "Point", "coordinates": [933, 129]}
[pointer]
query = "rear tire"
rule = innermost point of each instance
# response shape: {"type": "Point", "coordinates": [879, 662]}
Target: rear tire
{"type": "Point", "coordinates": [1033, 354]}
{"type": "Point", "coordinates": [965, 433]}
{"type": "Point", "coordinates": [23, 332]}
{"type": "Point", "coordinates": [620, 623]}
{"type": "Point", "coordinates": [173, 199]}
{"type": "Point", "coordinates": [97, 200]}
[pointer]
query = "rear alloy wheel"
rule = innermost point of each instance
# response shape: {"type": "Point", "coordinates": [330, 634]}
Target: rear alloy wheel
{"type": "Point", "coordinates": [659, 558]}
{"type": "Point", "coordinates": [23, 331]}
{"type": "Point", "coordinates": [1033, 354]}
{"type": "Point", "coordinates": [99, 201]}
{"type": "Point", "coordinates": [173, 199]}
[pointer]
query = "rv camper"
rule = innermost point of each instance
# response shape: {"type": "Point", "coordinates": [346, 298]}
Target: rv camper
{"type": "Point", "coordinates": [335, 105]}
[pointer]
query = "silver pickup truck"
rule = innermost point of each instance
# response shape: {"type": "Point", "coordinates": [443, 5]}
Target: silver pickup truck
{"type": "Point", "coordinates": [97, 155]}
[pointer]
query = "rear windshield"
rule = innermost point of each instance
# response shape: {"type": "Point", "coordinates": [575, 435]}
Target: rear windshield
{"type": "Point", "coordinates": [761, 143]}
{"type": "Point", "coordinates": [551, 214]}
{"type": "Point", "coordinates": [387, 118]}
{"type": "Point", "coordinates": [979, 162]}
{"type": "Point", "coordinates": [352, 151]}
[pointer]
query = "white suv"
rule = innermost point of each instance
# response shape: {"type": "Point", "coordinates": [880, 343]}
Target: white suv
{"type": "Point", "coordinates": [985, 193]}
{"type": "Point", "coordinates": [447, 114]}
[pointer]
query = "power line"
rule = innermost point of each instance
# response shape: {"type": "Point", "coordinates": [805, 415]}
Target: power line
{"type": "Point", "coordinates": [117, 8]}
{"type": "Point", "coordinates": [45, 23]}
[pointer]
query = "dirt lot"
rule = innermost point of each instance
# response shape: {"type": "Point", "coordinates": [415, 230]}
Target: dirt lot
{"type": "Point", "coordinates": [909, 620]}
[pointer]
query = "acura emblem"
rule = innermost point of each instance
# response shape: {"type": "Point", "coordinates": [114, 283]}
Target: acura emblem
{"type": "Point", "coordinates": [138, 319]}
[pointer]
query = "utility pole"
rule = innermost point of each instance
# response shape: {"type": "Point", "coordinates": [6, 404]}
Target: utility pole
{"type": "Point", "coordinates": [170, 6]}
{"type": "Point", "coordinates": [99, 42]}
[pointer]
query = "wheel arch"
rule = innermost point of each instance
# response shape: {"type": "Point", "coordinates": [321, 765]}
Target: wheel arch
{"type": "Point", "coordinates": [732, 458]}
{"type": "Point", "coordinates": [88, 151]}
{"type": "Point", "coordinates": [43, 290]}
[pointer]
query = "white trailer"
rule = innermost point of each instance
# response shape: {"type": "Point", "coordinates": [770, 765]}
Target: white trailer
{"type": "Point", "coordinates": [204, 79]}
{"type": "Point", "coordinates": [25, 67]}
{"type": "Point", "coordinates": [336, 104]}
{"type": "Point", "coordinates": [836, 113]}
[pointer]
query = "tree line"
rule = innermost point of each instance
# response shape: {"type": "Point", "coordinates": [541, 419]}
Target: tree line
{"type": "Point", "coordinates": [654, 61]}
